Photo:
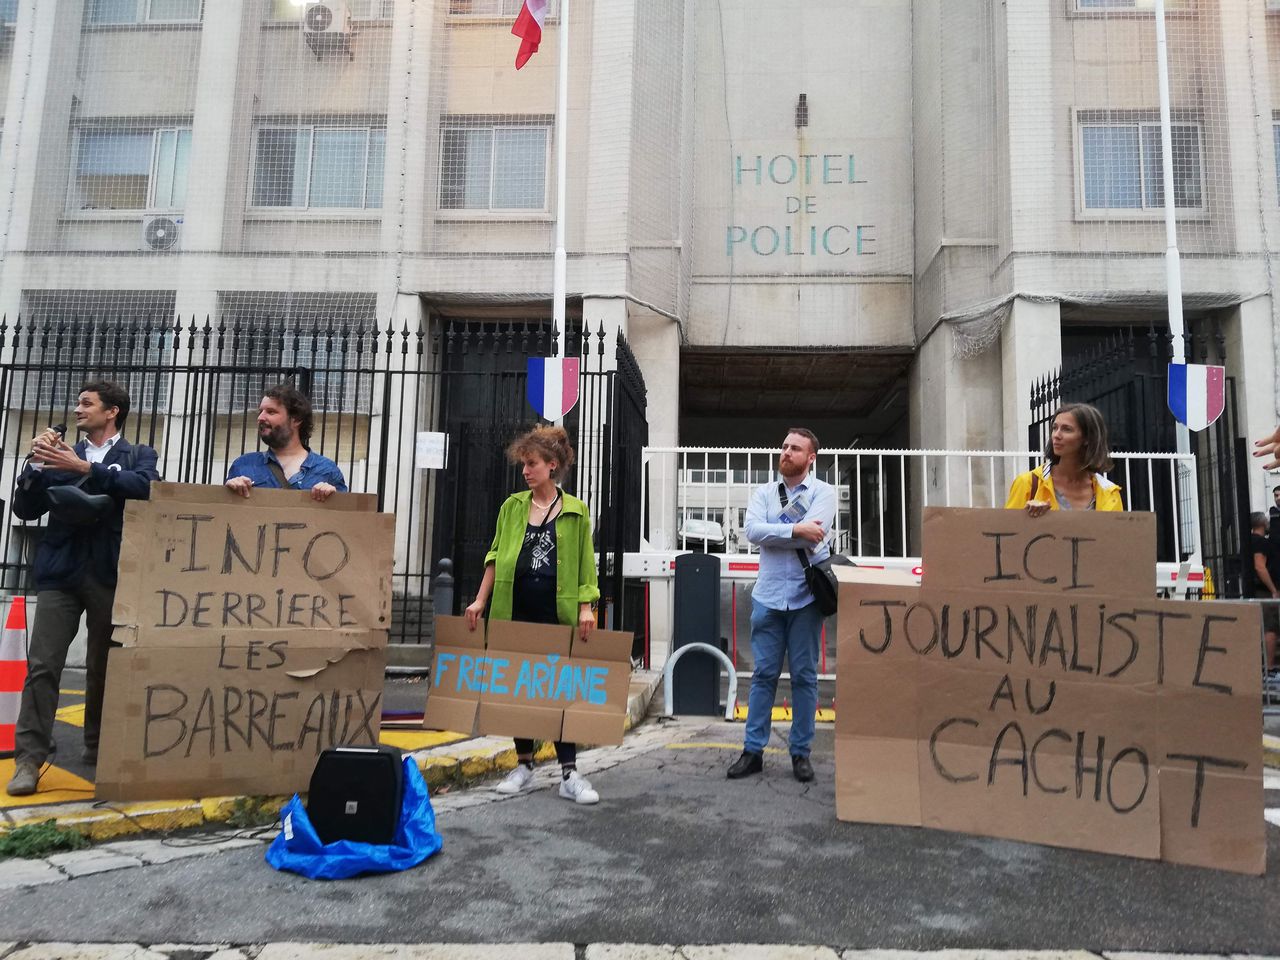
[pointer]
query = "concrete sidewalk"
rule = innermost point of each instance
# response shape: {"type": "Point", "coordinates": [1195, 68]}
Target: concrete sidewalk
{"type": "Point", "coordinates": [456, 762]}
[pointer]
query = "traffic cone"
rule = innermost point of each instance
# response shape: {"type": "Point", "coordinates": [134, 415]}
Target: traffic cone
{"type": "Point", "coordinates": [13, 671]}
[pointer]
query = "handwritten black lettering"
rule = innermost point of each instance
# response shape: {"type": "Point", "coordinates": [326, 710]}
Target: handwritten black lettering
{"type": "Point", "coordinates": [906, 628]}
{"type": "Point", "coordinates": [232, 549]}
{"type": "Point", "coordinates": [1201, 761]}
{"type": "Point", "coordinates": [1000, 573]}
{"type": "Point", "coordinates": [154, 717]}
{"type": "Point", "coordinates": [938, 765]}
{"type": "Point", "coordinates": [1054, 734]}
{"type": "Point", "coordinates": [196, 520]}
{"type": "Point", "coordinates": [1019, 759]}
{"type": "Point", "coordinates": [888, 625]}
{"type": "Point", "coordinates": [1205, 649]}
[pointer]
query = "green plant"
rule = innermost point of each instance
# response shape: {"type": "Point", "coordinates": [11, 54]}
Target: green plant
{"type": "Point", "coordinates": [40, 839]}
{"type": "Point", "coordinates": [252, 812]}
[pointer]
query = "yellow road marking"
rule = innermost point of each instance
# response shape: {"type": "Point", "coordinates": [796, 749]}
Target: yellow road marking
{"type": "Point", "coordinates": [822, 715]}
{"type": "Point", "coordinates": [56, 786]}
{"type": "Point", "coordinates": [73, 714]}
{"type": "Point", "coordinates": [418, 739]}
{"type": "Point", "coordinates": [72, 693]}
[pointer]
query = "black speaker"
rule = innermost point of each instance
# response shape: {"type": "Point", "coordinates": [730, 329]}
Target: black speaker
{"type": "Point", "coordinates": [356, 794]}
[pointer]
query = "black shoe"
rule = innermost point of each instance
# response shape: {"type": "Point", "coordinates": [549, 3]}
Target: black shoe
{"type": "Point", "coordinates": [746, 765]}
{"type": "Point", "coordinates": [802, 768]}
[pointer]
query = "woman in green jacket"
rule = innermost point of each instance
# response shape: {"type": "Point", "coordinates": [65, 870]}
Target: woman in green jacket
{"type": "Point", "coordinates": [541, 569]}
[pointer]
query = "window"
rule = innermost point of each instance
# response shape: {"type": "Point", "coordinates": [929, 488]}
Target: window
{"type": "Point", "coordinates": [493, 167]}
{"type": "Point", "coordinates": [1275, 150]}
{"type": "Point", "coordinates": [1120, 166]}
{"type": "Point", "coordinates": [493, 8]}
{"type": "Point", "coordinates": [315, 167]}
{"type": "Point", "coordinates": [138, 169]}
{"type": "Point", "coordinates": [360, 9]}
{"type": "Point", "coordinates": [1142, 6]}
{"type": "Point", "coordinates": [143, 11]}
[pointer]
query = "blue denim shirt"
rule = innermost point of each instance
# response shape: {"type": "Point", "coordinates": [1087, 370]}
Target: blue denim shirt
{"type": "Point", "coordinates": [315, 469]}
{"type": "Point", "coordinates": [781, 583]}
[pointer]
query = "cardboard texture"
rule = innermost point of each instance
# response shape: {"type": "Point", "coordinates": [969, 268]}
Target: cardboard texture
{"type": "Point", "coordinates": [254, 635]}
{"type": "Point", "coordinates": [529, 680]}
{"type": "Point", "coordinates": [1033, 687]}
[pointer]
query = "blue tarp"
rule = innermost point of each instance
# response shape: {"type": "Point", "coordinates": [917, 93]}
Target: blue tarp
{"type": "Point", "coordinates": [297, 848]}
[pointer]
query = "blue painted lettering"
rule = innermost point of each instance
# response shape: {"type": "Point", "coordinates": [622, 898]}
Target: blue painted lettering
{"type": "Point", "coordinates": [826, 241]}
{"type": "Point", "coordinates": [733, 235]}
{"type": "Point", "coordinates": [863, 240]}
{"type": "Point", "coordinates": [740, 170]}
{"type": "Point", "coordinates": [525, 680]}
{"type": "Point", "coordinates": [442, 665]}
{"type": "Point", "coordinates": [790, 162]}
{"type": "Point", "coordinates": [497, 668]}
{"type": "Point", "coordinates": [595, 684]}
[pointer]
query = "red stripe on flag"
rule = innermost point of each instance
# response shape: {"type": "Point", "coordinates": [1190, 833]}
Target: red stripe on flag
{"type": "Point", "coordinates": [529, 31]}
{"type": "Point", "coordinates": [7, 731]}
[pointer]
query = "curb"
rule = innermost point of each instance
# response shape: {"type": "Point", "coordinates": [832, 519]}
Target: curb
{"type": "Point", "coordinates": [1270, 750]}
{"type": "Point", "coordinates": [454, 763]}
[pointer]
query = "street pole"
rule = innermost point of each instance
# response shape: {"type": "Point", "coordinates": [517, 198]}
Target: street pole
{"type": "Point", "coordinates": [1172, 260]}
{"type": "Point", "coordinates": [558, 281]}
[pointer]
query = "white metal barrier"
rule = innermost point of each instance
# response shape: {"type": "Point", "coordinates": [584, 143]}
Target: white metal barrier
{"type": "Point", "coordinates": [696, 498]}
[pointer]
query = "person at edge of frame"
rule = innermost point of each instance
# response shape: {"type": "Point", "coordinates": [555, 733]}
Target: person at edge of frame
{"type": "Point", "coordinates": [541, 569]}
{"type": "Point", "coordinates": [794, 514]}
{"type": "Point", "coordinates": [75, 566]}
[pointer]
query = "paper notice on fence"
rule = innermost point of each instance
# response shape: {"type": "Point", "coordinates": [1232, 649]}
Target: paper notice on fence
{"type": "Point", "coordinates": [1034, 688]}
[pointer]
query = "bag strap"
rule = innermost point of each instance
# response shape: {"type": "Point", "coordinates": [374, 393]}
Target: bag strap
{"type": "Point", "coordinates": [802, 553]}
{"type": "Point", "coordinates": [277, 471]}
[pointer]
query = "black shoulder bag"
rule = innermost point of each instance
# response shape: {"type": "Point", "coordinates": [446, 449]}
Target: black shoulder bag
{"type": "Point", "coordinates": [822, 583]}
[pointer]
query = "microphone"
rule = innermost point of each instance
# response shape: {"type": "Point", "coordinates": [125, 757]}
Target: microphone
{"type": "Point", "coordinates": [60, 429]}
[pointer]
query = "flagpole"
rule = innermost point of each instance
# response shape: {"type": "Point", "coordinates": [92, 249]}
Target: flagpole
{"type": "Point", "coordinates": [1172, 259]}
{"type": "Point", "coordinates": [558, 281]}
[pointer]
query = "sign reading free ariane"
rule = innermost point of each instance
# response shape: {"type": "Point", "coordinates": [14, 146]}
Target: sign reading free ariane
{"type": "Point", "coordinates": [1033, 687]}
{"type": "Point", "coordinates": [529, 680]}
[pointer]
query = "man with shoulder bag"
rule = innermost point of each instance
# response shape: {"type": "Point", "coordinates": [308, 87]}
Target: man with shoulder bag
{"type": "Point", "coordinates": [789, 520]}
{"type": "Point", "coordinates": [83, 489]}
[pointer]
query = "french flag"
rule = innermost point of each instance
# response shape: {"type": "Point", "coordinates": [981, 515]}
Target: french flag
{"type": "Point", "coordinates": [1197, 393]}
{"type": "Point", "coordinates": [553, 386]}
{"type": "Point", "coordinates": [528, 27]}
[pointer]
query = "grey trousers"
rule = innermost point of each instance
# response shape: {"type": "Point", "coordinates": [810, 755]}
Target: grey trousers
{"type": "Point", "coordinates": [57, 620]}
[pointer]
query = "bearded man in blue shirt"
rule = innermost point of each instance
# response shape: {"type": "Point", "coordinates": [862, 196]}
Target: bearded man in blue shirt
{"type": "Point", "coordinates": [284, 425]}
{"type": "Point", "coordinates": [793, 514]}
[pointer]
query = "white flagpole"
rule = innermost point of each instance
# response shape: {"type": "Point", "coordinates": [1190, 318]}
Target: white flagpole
{"type": "Point", "coordinates": [1172, 260]}
{"type": "Point", "coordinates": [558, 281]}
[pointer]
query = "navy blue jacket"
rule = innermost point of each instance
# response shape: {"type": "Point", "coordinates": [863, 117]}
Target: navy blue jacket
{"type": "Point", "coordinates": [66, 553]}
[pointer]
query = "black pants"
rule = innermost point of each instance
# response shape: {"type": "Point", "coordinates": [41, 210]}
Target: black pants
{"type": "Point", "coordinates": [566, 753]}
{"type": "Point", "coordinates": [57, 620]}
{"type": "Point", "coordinates": [534, 601]}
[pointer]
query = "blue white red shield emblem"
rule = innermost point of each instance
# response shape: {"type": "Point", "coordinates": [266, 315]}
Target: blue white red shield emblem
{"type": "Point", "coordinates": [1197, 393]}
{"type": "Point", "coordinates": [553, 385]}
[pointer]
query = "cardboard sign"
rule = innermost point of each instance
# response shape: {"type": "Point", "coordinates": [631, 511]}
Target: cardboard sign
{"type": "Point", "coordinates": [529, 680]}
{"type": "Point", "coordinates": [254, 635]}
{"type": "Point", "coordinates": [1034, 688]}
{"type": "Point", "coordinates": [215, 721]}
{"type": "Point", "coordinates": [205, 560]}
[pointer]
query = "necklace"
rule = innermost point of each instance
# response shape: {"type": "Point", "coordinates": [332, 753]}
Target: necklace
{"type": "Point", "coordinates": [543, 506]}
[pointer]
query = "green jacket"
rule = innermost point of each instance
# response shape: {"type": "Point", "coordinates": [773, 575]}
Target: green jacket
{"type": "Point", "coordinates": [575, 558]}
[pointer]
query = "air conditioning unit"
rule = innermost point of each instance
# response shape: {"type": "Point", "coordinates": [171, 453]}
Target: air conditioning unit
{"type": "Point", "coordinates": [161, 233]}
{"type": "Point", "coordinates": [844, 495]}
{"type": "Point", "coordinates": [326, 18]}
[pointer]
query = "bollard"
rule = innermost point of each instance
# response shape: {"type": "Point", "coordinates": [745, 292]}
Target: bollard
{"type": "Point", "coordinates": [442, 588]}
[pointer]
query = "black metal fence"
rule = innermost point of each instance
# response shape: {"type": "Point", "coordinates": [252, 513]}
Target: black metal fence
{"type": "Point", "coordinates": [195, 387]}
{"type": "Point", "coordinates": [1125, 375]}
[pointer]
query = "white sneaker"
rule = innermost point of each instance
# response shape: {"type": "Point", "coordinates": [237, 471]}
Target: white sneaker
{"type": "Point", "coordinates": [516, 780]}
{"type": "Point", "coordinates": [578, 789]}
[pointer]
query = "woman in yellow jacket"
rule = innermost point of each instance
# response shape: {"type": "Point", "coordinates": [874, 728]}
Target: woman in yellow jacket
{"type": "Point", "coordinates": [1071, 478]}
{"type": "Point", "coordinates": [541, 568]}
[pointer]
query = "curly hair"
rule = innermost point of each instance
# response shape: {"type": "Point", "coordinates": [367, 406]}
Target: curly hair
{"type": "Point", "coordinates": [298, 407]}
{"type": "Point", "coordinates": [548, 443]}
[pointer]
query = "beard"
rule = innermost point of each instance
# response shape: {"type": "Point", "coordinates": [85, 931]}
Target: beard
{"type": "Point", "coordinates": [275, 437]}
{"type": "Point", "coordinates": [789, 468]}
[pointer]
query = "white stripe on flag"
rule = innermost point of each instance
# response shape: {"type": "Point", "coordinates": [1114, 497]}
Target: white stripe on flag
{"type": "Point", "coordinates": [1197, 394]}
{"type": "Point", "coordinates": [553, 388]}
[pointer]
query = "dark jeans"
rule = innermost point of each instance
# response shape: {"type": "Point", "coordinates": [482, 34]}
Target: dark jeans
{"type": "Point", "coordinates": [566, 753]}
{"type": "Point", "coordinates": [57, 620]}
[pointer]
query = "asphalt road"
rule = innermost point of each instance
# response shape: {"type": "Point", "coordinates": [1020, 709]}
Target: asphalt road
{"type": "Point", "coordinates": [674, 853]}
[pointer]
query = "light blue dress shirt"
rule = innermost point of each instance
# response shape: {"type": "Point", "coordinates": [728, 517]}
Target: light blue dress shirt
{"type": "Point", "coordinates": [781, 583]}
